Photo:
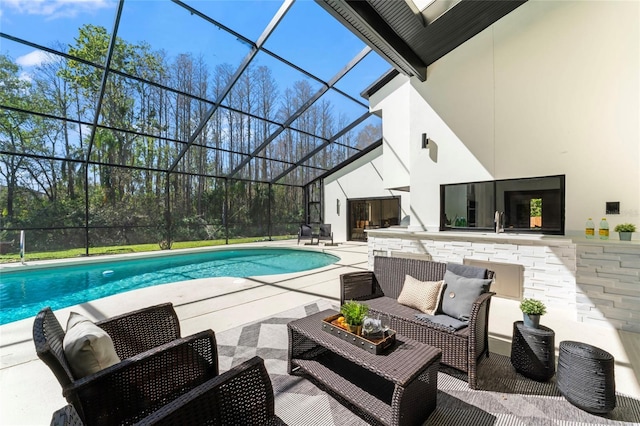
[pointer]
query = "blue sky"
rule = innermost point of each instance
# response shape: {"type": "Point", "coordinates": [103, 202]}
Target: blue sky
{"type": "Point", "coordinates": [308, 36]}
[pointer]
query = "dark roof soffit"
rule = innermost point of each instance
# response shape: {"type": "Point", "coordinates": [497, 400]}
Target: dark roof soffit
{"type": "Point", "coordinates": [365, 22]}
{"type": "Point", "coordinates": [379, 83]}
{"type": "Point", "coordinates": [394, 30]}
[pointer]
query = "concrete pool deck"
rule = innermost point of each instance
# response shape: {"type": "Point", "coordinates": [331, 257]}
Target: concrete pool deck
{"type": "Point", "coordinates": [29, 392]}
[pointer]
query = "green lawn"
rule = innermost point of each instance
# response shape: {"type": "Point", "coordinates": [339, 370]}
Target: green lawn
{"type": "Point", "coordinates": [97, 251]}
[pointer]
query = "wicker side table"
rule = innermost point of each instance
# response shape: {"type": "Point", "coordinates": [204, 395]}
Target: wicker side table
{"type": "Point", "coordinates": [586, 377]}
{"type": "Point", "coordinates": [533, 351]}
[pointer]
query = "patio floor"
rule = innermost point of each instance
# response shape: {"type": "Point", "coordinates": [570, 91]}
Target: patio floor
{"type": "Point", "coordinates": [29, 393]}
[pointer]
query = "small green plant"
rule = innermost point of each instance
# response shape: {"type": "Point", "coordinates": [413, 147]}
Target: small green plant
{"type": "Point", "coordinates": [354, 312]}
{"type": "Point", "coordinates": [625, 227]}
{"type": "Point", "coordinates": [533, 307]}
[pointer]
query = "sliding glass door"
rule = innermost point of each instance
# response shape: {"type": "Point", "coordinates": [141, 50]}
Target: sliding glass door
{"type": "Point", "coordinates": [372, 213]}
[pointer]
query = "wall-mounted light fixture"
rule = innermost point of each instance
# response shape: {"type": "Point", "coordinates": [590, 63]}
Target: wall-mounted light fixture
{"type": "Point", "coordinates": [338, 206]}
{"type": "Point", "coordinates": [425, 141]}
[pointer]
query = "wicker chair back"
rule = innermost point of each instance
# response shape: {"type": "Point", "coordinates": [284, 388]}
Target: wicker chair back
{"type": "Point", "coordinates": [391, 271]}
{"type": "Point", "coordinates": [124, 393]}
{"type": "Point", "coordinates": [47, 336]}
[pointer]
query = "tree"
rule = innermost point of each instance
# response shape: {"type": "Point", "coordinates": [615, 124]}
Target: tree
{"type": "Point", "coordinates": [122, 107]}
{"type": "Point", "coordinates": [62, 101]}
{"type": "Point", "coordinates": [267, 97]}
{"type": "Point", "coordinates": [20, 132]}
{"type": "Point", "coordinates": [368, 135]}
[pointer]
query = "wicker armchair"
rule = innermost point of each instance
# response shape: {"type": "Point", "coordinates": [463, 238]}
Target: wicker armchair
{"type": "Point", "coordinates": [157, 365]}
{"type": "Point", "coordinates": [240, 396]}
{"type": "Point", "coordinates": [66, 416]}
{"type": "Point", "coordinates": [380, 289]}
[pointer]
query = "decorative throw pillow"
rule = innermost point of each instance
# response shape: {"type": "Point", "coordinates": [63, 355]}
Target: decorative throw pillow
{"type": "Point", "coordinates": [468, 271]}
{"type": "Point", "coordinates": [88, 348]}
{"type": "Point", "coordinates": [421, 295]}
{"type": "Point", "coordinates": [459, 294]}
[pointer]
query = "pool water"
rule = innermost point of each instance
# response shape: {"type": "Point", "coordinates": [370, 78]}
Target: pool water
{"type": "Point", "coordinates": [24, 293]}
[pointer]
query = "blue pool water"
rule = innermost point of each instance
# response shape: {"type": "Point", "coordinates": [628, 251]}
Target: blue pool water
{"type": "Point", "coordinates": [24, 293]}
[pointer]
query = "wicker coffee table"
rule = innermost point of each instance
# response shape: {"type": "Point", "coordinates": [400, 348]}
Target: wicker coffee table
{"type": "Point", "coordinates": [397, 387]}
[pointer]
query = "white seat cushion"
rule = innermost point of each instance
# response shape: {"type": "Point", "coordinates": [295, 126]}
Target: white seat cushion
{"type": "Point", "coordinates": [88, 348]}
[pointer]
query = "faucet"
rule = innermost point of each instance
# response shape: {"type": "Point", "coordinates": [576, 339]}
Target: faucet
{"type": "Point", "coordinates": [499, 221]}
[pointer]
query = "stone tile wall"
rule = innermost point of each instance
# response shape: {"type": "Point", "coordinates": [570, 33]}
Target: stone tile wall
{"type": "Point", "coordinates": [599, 283]}
{"type": "Point", "coordinates": [608, 284]}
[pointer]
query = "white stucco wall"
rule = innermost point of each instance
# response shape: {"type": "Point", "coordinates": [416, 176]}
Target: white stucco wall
{"type": "Point", "coordinates": [396, 132]}
{"type": "Point", "coordinates": [361, 179]}
{"type": "Point", "coordinates": [552, 88]}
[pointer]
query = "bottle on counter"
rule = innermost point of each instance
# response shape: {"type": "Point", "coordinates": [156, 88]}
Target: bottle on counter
{"type": "Point", "coordinates": [590, 229]}
{"type": "Point", "coordinates": [604, 229]}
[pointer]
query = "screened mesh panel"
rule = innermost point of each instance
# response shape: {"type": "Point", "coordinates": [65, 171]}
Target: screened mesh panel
{"type": "Point", "coordinates": [50, 240]}
{"type": "Point", "coordinates": [197, 208]}
{"type": "Point", "coordinates": [133, 122]}
{"type": "Point", "coordinates": [255, 14]}
{"type": "Point", "coordinates": [288, 209]}
{"type": "Point", "coordinates": [329, 114]}
{"type": "Point", "coordinates": [322, 35]}
{"type": "Point", "coordinates": [363, 135]}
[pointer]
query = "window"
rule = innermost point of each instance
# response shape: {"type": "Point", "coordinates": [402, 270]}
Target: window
{"type": "Point", "coordinates": [529, 205]}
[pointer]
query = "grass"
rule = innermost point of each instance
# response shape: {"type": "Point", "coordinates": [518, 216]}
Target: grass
{"type": "Point", "coordinates": [97, 251]}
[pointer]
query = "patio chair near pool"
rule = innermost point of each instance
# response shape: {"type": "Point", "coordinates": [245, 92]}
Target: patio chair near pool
{"type": "Point", "coordinates": [325, 234]}
{"type": "Point", "coordinates": [152, 365]}
{"type": "Point", "coordinates": [240, 396]}
{"type": "Point", "coordinates": [305, 233]}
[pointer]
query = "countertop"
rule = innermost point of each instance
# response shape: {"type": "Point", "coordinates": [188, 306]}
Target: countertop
{"type": "Point", "coordinates": [506, 237]}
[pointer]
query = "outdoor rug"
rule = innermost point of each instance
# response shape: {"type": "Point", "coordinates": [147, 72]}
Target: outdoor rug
{"type": "Point", "coordinates": [505, 398]}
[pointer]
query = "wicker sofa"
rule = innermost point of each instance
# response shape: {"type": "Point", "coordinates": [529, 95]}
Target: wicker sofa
{"type": "Point", "coordinates": [380, 289]}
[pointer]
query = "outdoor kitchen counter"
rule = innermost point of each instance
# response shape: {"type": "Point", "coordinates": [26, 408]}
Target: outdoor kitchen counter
{"type": "Point", "coordinates": [503, 237]}
{"type": "Point", "coordinates": [598, 281]}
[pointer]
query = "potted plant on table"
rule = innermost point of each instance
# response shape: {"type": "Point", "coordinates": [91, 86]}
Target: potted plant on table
{"type": "Point", "coordinates": [532, 309]}
{"type": "Point", "coordinates": [354, 314]}
{"type": "Point", "coordinates": [625, 230]}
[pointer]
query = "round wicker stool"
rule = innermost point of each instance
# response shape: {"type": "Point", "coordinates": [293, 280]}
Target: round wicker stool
{"type": "Point", "coordinates": [586, 377]}
{"type": "Point", "coordinates": [533, 351]}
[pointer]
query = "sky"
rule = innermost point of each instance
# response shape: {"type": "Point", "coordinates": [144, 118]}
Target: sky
{"type": "Point", "coordinates": [308, 36]}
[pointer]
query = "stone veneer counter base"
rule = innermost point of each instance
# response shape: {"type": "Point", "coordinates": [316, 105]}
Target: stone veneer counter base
{"type": "Point", "coordinates": [598, 280]}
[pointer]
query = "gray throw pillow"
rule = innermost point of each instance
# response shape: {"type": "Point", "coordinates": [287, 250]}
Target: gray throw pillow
{"type": "Point", "coordinates": [459, 294]}
{"type": "Point", "coordinates": [468, 271]}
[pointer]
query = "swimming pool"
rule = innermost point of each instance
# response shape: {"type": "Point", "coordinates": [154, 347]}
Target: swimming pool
{"type": "Point", "coordinates": [24, 293]}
